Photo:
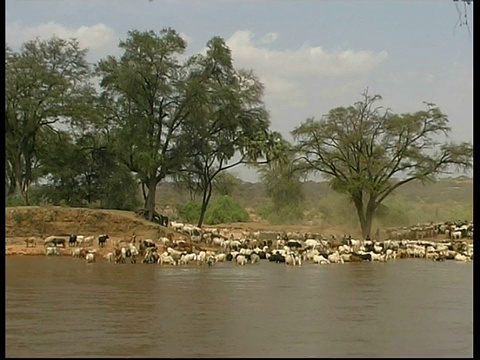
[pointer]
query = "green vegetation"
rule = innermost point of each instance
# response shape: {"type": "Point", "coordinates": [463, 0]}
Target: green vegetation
{"type": "Point", "coordinates": [157, 116]}
{"type": "Point", "coordinates": [361, 149]}
{"type": "Point", "coordinates": [223, 209]}
{"type": "Point", "coordinates": [410, 204]}
{"type": "Point", "coordinates": [284, 188]}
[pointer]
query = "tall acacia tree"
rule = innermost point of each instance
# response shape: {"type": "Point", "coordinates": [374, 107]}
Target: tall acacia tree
{"type": "Point", "coordinates": [47, 82]}
{"type": "Point", "coordinates": [144, 94]}
{"type": "Point", "coordinates": [227, 123]}
{"type": "Point", "coordinates": [367, 152]}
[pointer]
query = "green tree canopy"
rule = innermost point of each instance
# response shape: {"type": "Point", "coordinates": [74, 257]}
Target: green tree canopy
{"type": "Point", "coordinates": [47, 82]}
{"type": "Point", "coordinates": [367, 152]}
{"type": "Point", "coordinates": [144, 95]}
{"type": "Point", "coordinates": [227, 123]}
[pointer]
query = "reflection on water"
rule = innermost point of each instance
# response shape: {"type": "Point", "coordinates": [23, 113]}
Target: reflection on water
{"type": "Point", "coordinates": [63, 307]}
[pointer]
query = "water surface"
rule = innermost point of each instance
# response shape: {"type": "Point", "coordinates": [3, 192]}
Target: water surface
{"type": "Point", "coordinates": [63, 307]}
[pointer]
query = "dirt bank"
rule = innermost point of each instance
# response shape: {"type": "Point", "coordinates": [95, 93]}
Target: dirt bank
{"type": "Point", "coordinates": [40, 222]}
{"type": "Point", "coordinates": [27, 221]}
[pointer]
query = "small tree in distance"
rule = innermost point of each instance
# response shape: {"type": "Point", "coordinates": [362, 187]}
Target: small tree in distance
{"type": "Point", "coordinates": [367, 152]}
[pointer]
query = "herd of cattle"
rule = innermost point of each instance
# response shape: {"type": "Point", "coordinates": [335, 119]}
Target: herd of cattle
{"type": "Point", "coordinates": [289, 248]}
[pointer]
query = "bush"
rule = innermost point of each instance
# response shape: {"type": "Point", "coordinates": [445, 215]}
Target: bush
{"type": "Point", "coordinates": [190, 212]}
{"type": "Point", "coordinates": [223, 209]}
{"type": "Point", "coordinates": [14, 200]}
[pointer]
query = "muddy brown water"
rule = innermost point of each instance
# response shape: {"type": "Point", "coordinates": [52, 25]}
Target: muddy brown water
{"type": "Point", "coordinates": [63, 307]}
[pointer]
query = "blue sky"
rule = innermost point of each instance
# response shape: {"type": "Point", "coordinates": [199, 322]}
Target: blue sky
{"type": "Point", "coordinates": [312, 55]}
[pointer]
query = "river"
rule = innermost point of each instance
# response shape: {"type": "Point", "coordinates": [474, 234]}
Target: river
{"type": "Point", "coordinates": [63, 307]}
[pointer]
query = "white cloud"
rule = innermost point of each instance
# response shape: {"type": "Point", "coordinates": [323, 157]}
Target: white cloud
{"type": "Point", "coordinates": [287, 73]}
{"type": "Point", "coordinates": [99, 38]}
{"type": "Point", "coordinates": [304, 62]}
{"type": "Point", "coordinates": [268, 38]}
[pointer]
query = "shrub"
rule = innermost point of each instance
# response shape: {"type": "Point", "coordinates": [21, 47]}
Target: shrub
{"type": "Point", "coordinates": [14, 200]}
{"type": "Point", "coordinates": [190, 212]}
{"type": "Point", "coordinates": [223, 209]}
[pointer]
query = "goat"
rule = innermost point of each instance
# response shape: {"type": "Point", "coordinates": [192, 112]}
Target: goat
{"type": "Point", "coordinates": [240, 259]}
{"type": "Point", "coordinates": [461, 257]}
{"type": "Point", "coordinates": [102, 239]}
{"type": "Point", "coordinates": [311, 243]}
{"type": "Point", "coordinates": [72, 240]}
{"type": "Point", "coordinates": [30, 241]}
{"type": "Point", "coordinates": [90, 257]}
{"type": "Point", "coordinates": [88, 240]}
{"type": "Point", "coordinates": [54, 240]}
{"type": "Point", "coordinates": [51, 250]}
{"type": "Point", "coordinates": [166, 258]}
{"type": "Point", "coordinates": [201, 257]}
{"type": "Point", "coordinates": [79, 252]}
{"type": "Point", "coordinates": [109, 257]}
{"type": "Point", "coordinates": [290, 259]}
{"type": "Point", "coordinates": [210, 260]}
{"type": "Point", "coordinates": [335, 258]}
{"type": "Point", "coordinates": [276, 257]}
{"type": "Point", "coordinates": [151, 256]}
{"type": "Point", "coordinates": [254, 258]}
{"type": "Point", "coordinates": [186, 258]}
{"type": "Point", "coordinates": [220, 257]}
{"type": "Point", "coordinates": [319, 259]}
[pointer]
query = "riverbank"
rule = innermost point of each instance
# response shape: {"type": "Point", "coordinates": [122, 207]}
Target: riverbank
{"type": "Point", "coordinates": [24, 222]}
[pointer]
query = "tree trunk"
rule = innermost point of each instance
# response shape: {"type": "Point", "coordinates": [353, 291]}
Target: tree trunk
{"type": "Point", "coordinates": [27, 179]}
{"type": "Point", "coordinates": [207, 193]}
{"type": "Point", "coordinates": [12, 184]}
{"type": "Point", "coordinates": [368, 225]}
{"type": "Point", "coordinates": [370, 211]}
{"type": "Point", "coordinates": [150, 200]}
{"type": "Point", "coordinates": [364, 215]}
{"type": "Point", "coordinates": [144, 192]}
{"type": "Point", "coordinates": [358, 201]}
{"type": "Point", "coordinates": [25, 193]}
